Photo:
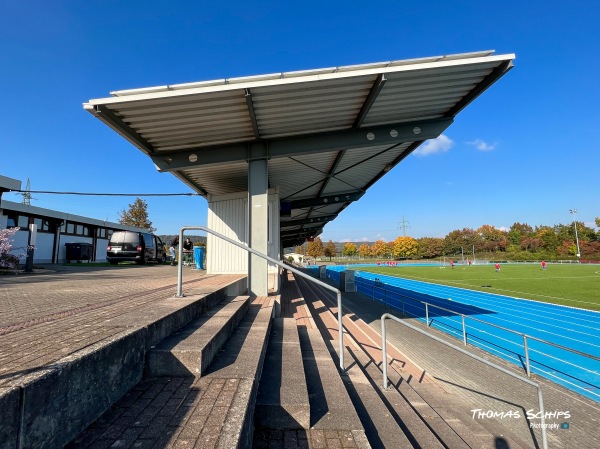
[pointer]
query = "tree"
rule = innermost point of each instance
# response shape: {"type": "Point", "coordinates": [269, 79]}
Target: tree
{"type": "Point", "coordinates": [379, 249]}
{"type": "Point", "coordinates": [299, 250]}
{"type": "Point", "coordinates": [430, 247]}
{"type": "Point", "coordinates": [349, 249]}
{"type": "Point", "coordinates": [462, 241]}
{"type": "Point", "coordinates": [7, 258]}
{"type": "Point", "coordinates": [137, 215]}
{"type": "Point", "coordinates": [315, 248]}
{"type": "Point", "coordinates": [330, 250]}
{"type": "Point", "coordinates": [493, 239]}
{"type": "Point", "coordinates": [404, 247]}
{"type": "Point", "coordinates": [364, 251]}
{"type": "Point", "coordinates": [548, 237]}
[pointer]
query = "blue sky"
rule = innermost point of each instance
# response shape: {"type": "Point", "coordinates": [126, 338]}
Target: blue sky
{"type": "Point", "coordinates": [526, 150]}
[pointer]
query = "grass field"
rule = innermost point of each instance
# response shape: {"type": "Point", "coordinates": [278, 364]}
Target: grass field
{"type": "Point", "coordinates": [570, 285]}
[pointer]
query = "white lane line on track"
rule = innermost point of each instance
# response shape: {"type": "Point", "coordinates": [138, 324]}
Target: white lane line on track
{"type": "Point", "coordinates": [433, 289]}
{"type": "Point", "coordinates": [437, 287]}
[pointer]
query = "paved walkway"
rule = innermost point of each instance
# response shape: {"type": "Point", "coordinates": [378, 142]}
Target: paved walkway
{"type": "Point", "coordinates": [45, 317]}
{"type": "Point", "coordinates": [50, 314]}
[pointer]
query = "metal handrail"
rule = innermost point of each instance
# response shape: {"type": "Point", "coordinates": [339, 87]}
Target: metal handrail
{"type": "Point", "coordinates": [493, 365]}
{"type": "Point", "coordinates": [525, 337]}
{"type": "Point", "coordinates": [269, 259]}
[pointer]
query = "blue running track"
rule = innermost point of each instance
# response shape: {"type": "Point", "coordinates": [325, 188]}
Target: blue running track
{"type": "Point", "coordinates": [566, 326]}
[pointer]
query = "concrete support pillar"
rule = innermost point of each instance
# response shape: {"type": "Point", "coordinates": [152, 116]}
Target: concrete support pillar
{"type": "Point", "coordinates": [258, 206]}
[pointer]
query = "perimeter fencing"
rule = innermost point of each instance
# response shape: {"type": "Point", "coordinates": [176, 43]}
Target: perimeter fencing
{"type": "Point", "coordinates": [577, 370]}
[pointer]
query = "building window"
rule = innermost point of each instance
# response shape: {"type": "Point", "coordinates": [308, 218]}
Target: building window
{"type": "Point", "coordinates": [11, 219]}
{"type": "Point", "coordinates": [42, 225]}
{"type": "Point", "coordinates": [23, 221]}
{"type": "Point", "coordinates": [101, 233]}
{"type": "Point", "coordinates": [70, 228]}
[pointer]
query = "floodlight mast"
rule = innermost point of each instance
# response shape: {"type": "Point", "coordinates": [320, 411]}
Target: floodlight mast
{"type": "Point", "coordinates": [573, 212]}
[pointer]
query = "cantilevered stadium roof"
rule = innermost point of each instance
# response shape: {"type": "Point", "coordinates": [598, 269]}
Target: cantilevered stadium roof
{"type": "Point", "coordinates": [329, 133]}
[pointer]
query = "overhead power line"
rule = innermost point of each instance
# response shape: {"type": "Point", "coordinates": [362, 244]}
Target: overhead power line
{"type": "Point", "coordinates": [104, 194]}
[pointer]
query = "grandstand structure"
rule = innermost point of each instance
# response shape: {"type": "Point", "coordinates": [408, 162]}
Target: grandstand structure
{"type": "Point", "coordinates": [280, 155]}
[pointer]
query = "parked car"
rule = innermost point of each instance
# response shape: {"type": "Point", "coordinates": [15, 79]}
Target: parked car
{"type": "Point", "coordinates": [139, 247]}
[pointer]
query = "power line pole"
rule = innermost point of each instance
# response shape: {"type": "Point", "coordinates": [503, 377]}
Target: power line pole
{"type": "Point", "coordinates": [403, 225]}
{"type": "Point", "coordinates": [27, 194]}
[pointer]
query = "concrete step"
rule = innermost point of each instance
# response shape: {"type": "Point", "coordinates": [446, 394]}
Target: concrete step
{"type": "Point", "coordinates": [330, 404]}
{"type": "Point", "coordinates": [333, 419]}
{"type": "Point", "coordinates": [430, 416]}
{"type": "Point", "coordinates": [282, 401]}
{"type": "Point", "coordinates": [189, 351]}
{"type": "Point", "coordinates": [215, 410]}
{"type": "Point", "coordinates": [60, 399]}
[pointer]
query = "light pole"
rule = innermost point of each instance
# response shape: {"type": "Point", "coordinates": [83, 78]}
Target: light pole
{"type": "Point", "coordinates": [573, 212]}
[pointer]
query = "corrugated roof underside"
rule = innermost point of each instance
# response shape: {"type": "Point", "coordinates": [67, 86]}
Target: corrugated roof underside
{"type": "Point", "coordinates": [309, 107]}
{"type": "Point", "coordinates": [220, 179]}
{"type": "Point", "coordinates": [181, 122]}
{"type": "Point", "coordinates": [424, 94]}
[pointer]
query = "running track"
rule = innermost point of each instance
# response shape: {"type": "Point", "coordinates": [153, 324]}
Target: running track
{"type": "Point", "coordinates": [571, 327]}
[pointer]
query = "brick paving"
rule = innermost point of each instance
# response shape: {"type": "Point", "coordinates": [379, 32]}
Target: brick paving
{"type": "Point", "coordinates": [47, 316]}
{"type": "Point", "coordinates": [164, 413]}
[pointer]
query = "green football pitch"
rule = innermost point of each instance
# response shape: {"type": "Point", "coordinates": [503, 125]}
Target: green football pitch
{"type": "Point", "coordinates": [570, 285]}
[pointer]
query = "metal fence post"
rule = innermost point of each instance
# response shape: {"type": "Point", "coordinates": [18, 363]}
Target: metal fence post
{"type": "Point", "coordinates": [427, 313]}
{"type": "Point", "coordinates": [464, 330]}
{"type": "Point", "coordinates": [526, 347]}
{"type": "Point", "coordinates": [384, 352]}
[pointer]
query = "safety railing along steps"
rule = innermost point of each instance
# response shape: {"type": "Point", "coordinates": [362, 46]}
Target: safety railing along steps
{"type": "Point", "coordinates": [442, 417]}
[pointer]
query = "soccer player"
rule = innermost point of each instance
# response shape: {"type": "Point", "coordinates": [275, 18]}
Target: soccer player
{"type": "Point", "coordinates": [497, 266]}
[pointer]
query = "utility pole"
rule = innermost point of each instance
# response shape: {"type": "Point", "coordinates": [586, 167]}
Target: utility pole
{"type": "Point", "coordinates": [27, 194]}
{"type": "Point", "coordinates": [403, 225]}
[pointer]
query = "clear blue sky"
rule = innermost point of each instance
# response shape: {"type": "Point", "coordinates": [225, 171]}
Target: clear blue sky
{"type": "Point", "coordinates": [526, 150]}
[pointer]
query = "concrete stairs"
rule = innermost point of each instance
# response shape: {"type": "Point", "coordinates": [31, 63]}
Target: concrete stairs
{"type": "Point", "coordinates": [415, 411]}
{"type": "Point", "coordinates": [283, 395]}
{"type": "Point", "coordinates": [189, 351]}
{"type": "Point", "coordinates": [302, 401]}
{"type": "Point", "coordinates": [202, 387]}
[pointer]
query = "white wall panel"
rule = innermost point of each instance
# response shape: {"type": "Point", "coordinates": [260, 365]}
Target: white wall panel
{"type": "Point", "coordinates": [227, 215]}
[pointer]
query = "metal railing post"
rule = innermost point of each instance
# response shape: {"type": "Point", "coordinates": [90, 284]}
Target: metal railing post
{"type": "Point", "coordinates": [384, 353]}
{"type": "Point", "coordinates": [526, 347]}
{"type": "Point", "coordinates": [464, 330]}
{"type": "Point", "coordinates": [269, 259]}
{"type": "Point", "coordinates": [427, 313]}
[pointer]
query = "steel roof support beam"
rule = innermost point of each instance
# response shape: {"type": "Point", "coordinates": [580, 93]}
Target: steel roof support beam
{"type": "Point", "coordinates": [326, 200]}
{"type": "Point", "coordinates": [315, 221]}
{"type": "Point", "coordinates": [393, 134]}
{"type": "Point", "coordinates": [252, 113]}
{"type": "Point", "coordinates": [113, 121]}
{"type": "Point", "coordinates": [366, 107]}
{"type": "Point", "coordinates": [482, 86]}
{"type": "Point", "coordinates": [296, 233]}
